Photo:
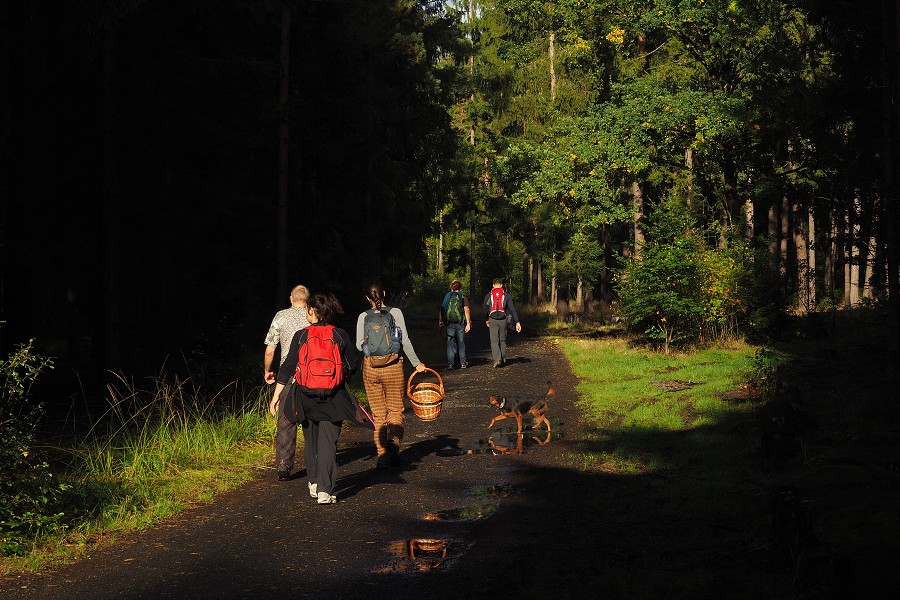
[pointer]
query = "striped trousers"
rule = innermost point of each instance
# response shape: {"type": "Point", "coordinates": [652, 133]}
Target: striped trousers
{"type": "Point", "coordinates": [385, 388]}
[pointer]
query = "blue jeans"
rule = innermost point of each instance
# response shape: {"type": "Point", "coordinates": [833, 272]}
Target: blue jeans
{"type": "Point", "coordinates": [456, 336]}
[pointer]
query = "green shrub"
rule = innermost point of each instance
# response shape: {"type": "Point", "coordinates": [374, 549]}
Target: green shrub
{"type": "Point", "coordinates": [29, 494]}
{"type": "Point", "coordinates": [679, 290]}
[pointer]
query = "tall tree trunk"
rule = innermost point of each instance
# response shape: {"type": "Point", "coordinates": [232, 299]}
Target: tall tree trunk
{"type": "Point", "coordinates": [637, 199]}
{"type": "Point", "coordinates": [540, 282]}
{"type": "Point", "coordinates": [554, 282]}
{"type": "Point", "coordinates": [579, 296]}
{"type": "Point", "coordinates": [869, 271]}
{"type": "Point", "coordinates": [802, 252]}
{"type": "Point", "coordinates": [811, 258]}
{"type": "Point", "coordinates": [772, 232]}
{"type": "Point", "coordinates": [851, 270]}
{"type": "Point", "coordinates": [831, 256]}
{"type": "Point", "coordinates": [472, 257]}
{"type": "Point", "coordinates": [526, 276]}
{"type": "Point", "coordinates": [440, 248]}
{"type": "Point", "coordinates": [552, 60]}
{"type": "Point", "coordinates": [284, 141]}
{"type": "Point", "coordinates": [784, 234]}
{"type": "Point", "coordinates": [110, 220]}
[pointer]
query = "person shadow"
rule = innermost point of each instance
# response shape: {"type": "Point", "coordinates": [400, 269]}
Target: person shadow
{"type": "Point", "coordinates": [410, 457]}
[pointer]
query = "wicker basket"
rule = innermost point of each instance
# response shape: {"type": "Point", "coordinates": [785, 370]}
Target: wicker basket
{"type": "Point", "coordinates": [426, 397]}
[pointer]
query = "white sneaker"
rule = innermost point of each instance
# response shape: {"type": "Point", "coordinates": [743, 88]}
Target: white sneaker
{"type": "Point", "coordinates": [326, 498]}
{"type": "Point", "coordinates": [312, 489]}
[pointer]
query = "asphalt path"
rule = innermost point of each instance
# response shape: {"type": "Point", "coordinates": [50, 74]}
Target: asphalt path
{"type": "Point", "coordinates": [451, 522]}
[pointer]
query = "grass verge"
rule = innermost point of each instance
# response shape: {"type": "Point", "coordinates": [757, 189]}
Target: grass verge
{"type": "Point", "coordinates": [152, 455]}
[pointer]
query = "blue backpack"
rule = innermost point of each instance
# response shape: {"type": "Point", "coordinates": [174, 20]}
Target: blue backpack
{"type": "Point", "coordinates": [381, 334]}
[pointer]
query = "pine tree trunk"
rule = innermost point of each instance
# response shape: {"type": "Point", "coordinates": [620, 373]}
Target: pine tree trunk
{"type": "Point", "coordinates": [811, 259]}
{"type": "Point", "coordinates": [579, 296]}
{"type": "Point", "coordinates": [870, 269]}
{"type": "Point", "coordinates": [801, 250]}
{"type": "Point", "coordinates": [748, 219]}
{"type": "Point", "coordinates": [552, 57]}
{"type": "Point", "coordinates": [831, 255]}
{"type": "Point", "coordinates": [540, 283]}
{"type": "Point", "coordinates": [772, 232]}
{"type": "Point", "coordinates": [440, 248]}
{"type": "Point", "coordinates": [554, 292]}
{"type": "Point", "coordinates": [784, 234]}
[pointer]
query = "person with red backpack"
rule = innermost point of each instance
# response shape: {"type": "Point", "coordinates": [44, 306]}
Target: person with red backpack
{"type": "Point", "coordinates": [498, 308]}
{"type": "Point", "coordinates": [319, 361]}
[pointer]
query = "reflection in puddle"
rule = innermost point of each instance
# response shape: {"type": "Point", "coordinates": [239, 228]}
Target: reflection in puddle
{"type": "Point", "coordinates": [510, 442]}
{"type": "Point", "coordinates": [427, 553]}
{"type": "Point", "coordinates": [420, 554]}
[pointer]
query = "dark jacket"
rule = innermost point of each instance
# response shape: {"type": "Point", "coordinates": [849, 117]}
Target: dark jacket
{"type": "Point", "coordinates": [342, 404]}
{"type": "Point", "coordinates": [508, 307]}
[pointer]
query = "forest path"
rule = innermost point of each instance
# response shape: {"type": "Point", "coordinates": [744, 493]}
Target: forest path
{"type": "Point", "coordinates": [269, 539]}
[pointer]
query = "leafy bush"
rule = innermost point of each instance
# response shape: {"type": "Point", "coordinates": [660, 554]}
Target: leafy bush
{"type": "Point", "coordinates": [28, 492]}
{"type": "Point", "coordinates": [678, 290]}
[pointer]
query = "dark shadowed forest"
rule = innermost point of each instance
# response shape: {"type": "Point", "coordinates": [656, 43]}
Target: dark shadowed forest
{"type": "Point", "coordinates": [140, 168]}
{"type": "Point", "coordinates": [169, 169]}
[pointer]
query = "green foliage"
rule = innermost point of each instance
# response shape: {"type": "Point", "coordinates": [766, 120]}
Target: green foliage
{"type": "Point", "coordinates": [29, 493]}
{"type": "Point", "coordinates": [678, 290]}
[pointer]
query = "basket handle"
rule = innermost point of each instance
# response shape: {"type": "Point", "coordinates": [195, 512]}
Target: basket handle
{"type": "Point", "coordinates": [414, 373]}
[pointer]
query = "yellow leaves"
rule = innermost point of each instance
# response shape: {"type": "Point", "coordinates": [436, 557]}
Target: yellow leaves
{"type": "Point", "coordinates": [571, 193]}
{"type": "Point", "coordinates": [25, 454]}
{"type": "Point", "coordinates": [573, 156]}
{"type": "Point", "coordinates": [616, 36]}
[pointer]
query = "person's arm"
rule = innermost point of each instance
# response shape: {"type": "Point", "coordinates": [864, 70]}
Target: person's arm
{"type": "Point", "coordinates": [360, 330]}
{"type": "Point", "coordinates": [487, 309]}
{"type": "Point", "coordinates": [443, 310]}
{"type": "Point", "coordinates": [468, 314]}
{"type": "Point", "coordinates": [288, 367]}
{"type": "Point", "coordinates": [348, 355]}
{"type": "Point", "coordinates": [512, 311]}
{"type": "Point", "coordinates": [268, 359]}
{"type": "Point", "coordinates": [407, 343]}
{"type": "Point", "coordinates": [273, 403]}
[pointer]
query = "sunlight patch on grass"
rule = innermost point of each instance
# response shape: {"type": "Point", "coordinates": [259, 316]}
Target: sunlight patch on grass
{"type": "Point", "coordinates": [655, 411]}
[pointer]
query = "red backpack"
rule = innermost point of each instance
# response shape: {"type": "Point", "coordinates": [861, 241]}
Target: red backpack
{"type": "Point", "coordinates": [319, 365]}
{"type": "Point", "coordinates": [497, 303]}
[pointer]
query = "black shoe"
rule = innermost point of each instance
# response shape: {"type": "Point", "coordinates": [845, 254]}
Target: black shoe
{"type": "Point", "coordinates": [451, 367]}
{"type": "Point", "coordinates": [283, 475]}
{"type": "Point", "coordinates": [393, 455]}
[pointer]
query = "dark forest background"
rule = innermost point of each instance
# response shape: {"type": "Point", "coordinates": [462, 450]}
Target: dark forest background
{"type": "Point", "coordinates": [169, 169]}
{"type": "Point", "coordinates": [139, 170]}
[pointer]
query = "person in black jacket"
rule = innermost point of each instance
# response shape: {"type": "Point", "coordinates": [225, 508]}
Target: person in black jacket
{"type": "Point", "coordinates": [321, 415]}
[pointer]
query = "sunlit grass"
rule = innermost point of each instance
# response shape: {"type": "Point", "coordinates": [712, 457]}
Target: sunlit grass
{"type": "Point", "coordinates": [651, 411]}
{"type": "Point", "coordinates": [152, 455]}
